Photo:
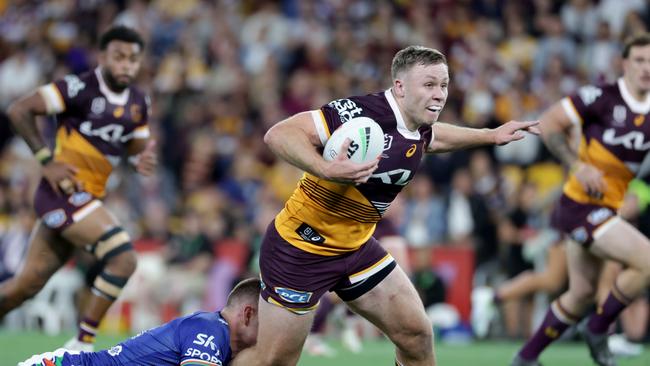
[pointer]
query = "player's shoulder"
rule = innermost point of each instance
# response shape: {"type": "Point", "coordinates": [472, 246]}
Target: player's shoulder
{"type": "Point", "coordinates": [597, 93]}
{"type": "Point", "coordinates": [369, 105]}
{"type": "Point", "coordinates": [203, 318]}
{"type": "Point", "coordinates": [138, 93]}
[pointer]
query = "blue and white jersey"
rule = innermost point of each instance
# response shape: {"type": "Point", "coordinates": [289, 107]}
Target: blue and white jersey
{"type": "Point", "coordinates": [202, 338]}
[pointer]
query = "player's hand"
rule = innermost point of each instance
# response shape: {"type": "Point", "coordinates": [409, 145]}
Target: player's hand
{"type": "Point", "coordinates": [343, 170]}
{"type": "Point", "coordinates": [514, 130]}
{"type": "Point", "coordinates": [147, 160]}
{"type": "Point", "coordinates": [61, 177]}
{"type": "Point", "coordinates": [590, 178]}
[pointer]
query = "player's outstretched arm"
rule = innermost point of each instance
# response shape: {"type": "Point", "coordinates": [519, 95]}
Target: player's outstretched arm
{"type": "Point", "coordinates": [296, 140]}
{"type": "Point", "coordinates": [448, 137]}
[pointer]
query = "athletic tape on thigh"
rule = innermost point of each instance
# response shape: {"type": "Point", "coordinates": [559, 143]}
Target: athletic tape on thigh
{"type": "Point", "coordinates": [108, 286]}
{"type": "Point", "coordinates": [112, 243]}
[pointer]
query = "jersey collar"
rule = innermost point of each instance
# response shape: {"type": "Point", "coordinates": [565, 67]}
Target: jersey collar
{"type": "Point", "coordinates": [635, 105]}
{"type": "Point", "coordinates": [112, 97]}
{"type": "Point", "coordinates": [401, 126]}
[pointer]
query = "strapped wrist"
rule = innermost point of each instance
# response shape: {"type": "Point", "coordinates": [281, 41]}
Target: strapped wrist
{"type": "Point", "coordinates": [44, 155]}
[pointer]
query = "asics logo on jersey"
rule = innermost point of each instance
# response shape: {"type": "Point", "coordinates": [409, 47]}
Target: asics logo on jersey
{"type": "Point", "coordinates": [633, 140]}
{"type": "Point", "coordinates": [309, 234]}
{"type": "Point", "coordinates": [411, 150]}
{"type": "Point", "coordinates": [75, 85]}
{"type": "Point", "coordinates": [589, 94]}
{"type": "Point", "coordinates": [346, 108]}
{"type": "Point", "coordinates": [206, 340]}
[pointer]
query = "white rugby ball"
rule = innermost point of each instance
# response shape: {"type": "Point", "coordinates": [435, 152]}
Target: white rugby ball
{"type": "Point", "coordinates": [367, 140]}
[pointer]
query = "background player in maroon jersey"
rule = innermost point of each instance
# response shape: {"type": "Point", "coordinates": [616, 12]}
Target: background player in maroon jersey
{"type": "Point", "coordinates": [100, 118]}
{"type": "Point", "coordinates": [322, 240]}
{"type": "Point", "coordinates": [614, 143]}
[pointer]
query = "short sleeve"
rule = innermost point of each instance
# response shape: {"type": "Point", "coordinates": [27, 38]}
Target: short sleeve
{"type": "Point", "coordinates": [581, 106]}
{"type": "Point", "coordinates": [332, 115]}
{"type": "Point", "coordinates": [140, 115]}
{"type": "Point", "coordinates": [63, 94]}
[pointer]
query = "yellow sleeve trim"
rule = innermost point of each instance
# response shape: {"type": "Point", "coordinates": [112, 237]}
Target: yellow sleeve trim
{"type": "Point", "coordinates": [53, 99]}
{"type": "Point", "coordinates": [571, 111]}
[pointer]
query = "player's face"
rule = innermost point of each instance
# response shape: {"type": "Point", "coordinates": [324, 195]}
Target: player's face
{"type": "Point", "coordinates": [636, 68]}
{"type": "Point", "coordinates": [425, 90]}
{"type": "Point", "coordinates": [121, 61]}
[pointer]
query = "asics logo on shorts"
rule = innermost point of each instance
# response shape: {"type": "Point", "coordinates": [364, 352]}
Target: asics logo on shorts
{"type": "Point", "coordinates": [293, 296]}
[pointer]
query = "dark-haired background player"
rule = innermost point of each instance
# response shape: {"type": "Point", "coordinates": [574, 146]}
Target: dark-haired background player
{"type": "Point", "coordinates": [322, 240]}
{"type": "Point", "coordinates": [200, 339]}
{"type": "Point", "coordinates": [100, 119]}
{"type": "Point", "coordinates": [614, 142]}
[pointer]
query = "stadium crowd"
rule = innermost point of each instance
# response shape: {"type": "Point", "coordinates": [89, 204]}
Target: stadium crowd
{"type": "Point", "coordinates": [219, 72]}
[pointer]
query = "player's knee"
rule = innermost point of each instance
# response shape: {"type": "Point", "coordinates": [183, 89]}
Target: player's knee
{"type": "Point", "coordinates": [415, 338]}
{"type": "Point", "coordinates": [115, 249]}
{"type": "Point", "coordinates": [123, 264]}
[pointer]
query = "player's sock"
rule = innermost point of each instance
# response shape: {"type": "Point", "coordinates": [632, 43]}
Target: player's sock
{"type": "Point", "coordinates": [87, 330]}
{"type": "Point", "coordinates": [605, 314]}
{"type": "Point", "coordinates": [557, 320]}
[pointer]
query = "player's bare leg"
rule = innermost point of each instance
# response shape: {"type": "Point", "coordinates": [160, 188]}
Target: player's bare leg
{"type": "Point", "coordinates": [46, 254]}
{"type": "Point", "coordinates": [619, 241]}
{"type": "Point", "coordinates": [112, 246]}
{"type": "Point", "coordinates": [280, 337]}
{"type": "Point", "coordinates": [395, 307]}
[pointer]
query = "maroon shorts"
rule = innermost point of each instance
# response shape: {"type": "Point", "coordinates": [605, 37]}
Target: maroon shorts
{"type": "Point", "coordinates": [60, 211]}
{"type": "Point", "coordinates": [579, 220]}
{"type": "Point", "coordinates": [296, 279]}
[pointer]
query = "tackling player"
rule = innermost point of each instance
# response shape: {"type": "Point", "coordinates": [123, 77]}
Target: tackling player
{"type": "Point", "coordinates": [100, 118]}
{"type": "Point", "coordinates": [200, 339]}
{"type": "Point", "coordinates": [614, 143]}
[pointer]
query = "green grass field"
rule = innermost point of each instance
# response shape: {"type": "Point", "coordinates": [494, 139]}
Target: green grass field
{"type": "Point", "coordinates": [16, 347]}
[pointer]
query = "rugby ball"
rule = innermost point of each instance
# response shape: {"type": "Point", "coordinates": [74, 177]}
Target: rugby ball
{"type": "Point", "coordinates": [367, 140]}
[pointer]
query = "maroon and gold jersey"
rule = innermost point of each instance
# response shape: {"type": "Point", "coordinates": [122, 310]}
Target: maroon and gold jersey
{"type": "Point", "coordinates": [615, 138]}
{"type": "Point", "coordinates": [328, 218]}
{"type": "Point", "coordinates": [94, 124]}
